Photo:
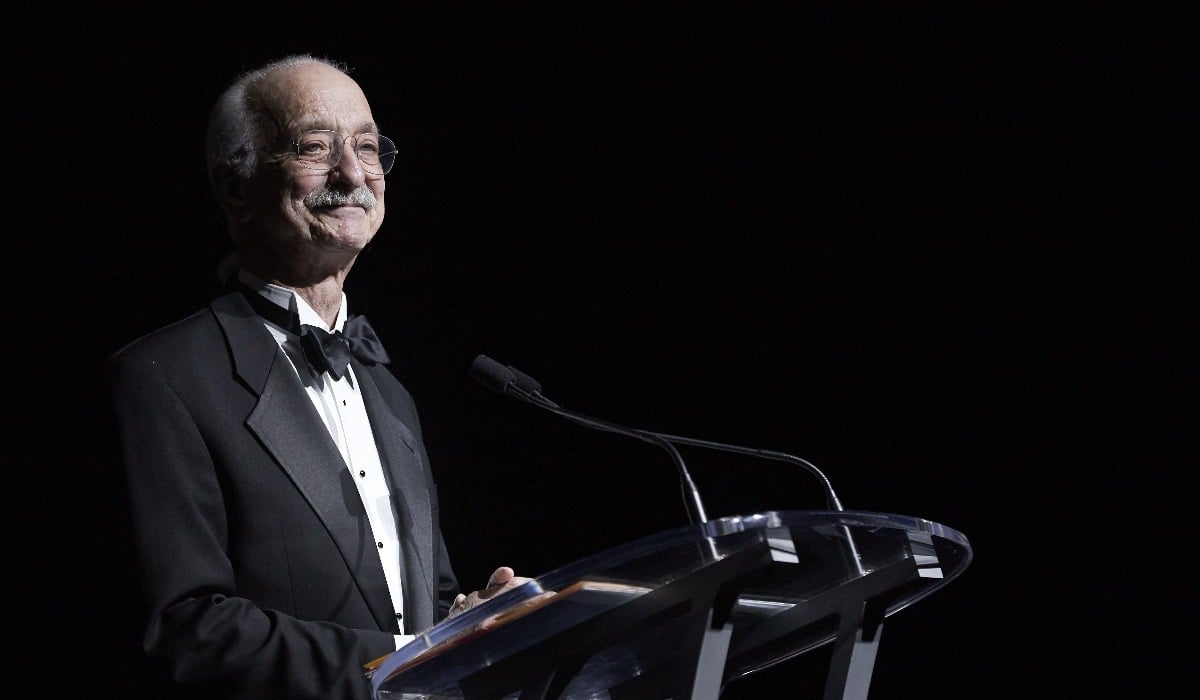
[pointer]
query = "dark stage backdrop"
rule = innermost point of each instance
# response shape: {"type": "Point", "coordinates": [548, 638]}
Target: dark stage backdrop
{"type": "Point", "coordinates": [939, 249]}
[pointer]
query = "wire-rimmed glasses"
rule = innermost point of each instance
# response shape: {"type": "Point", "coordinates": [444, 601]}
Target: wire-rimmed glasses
{"type": "Point", "coordinates": [322, 149]}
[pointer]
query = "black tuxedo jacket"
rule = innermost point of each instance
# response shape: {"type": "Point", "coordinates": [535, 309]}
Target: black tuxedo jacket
{"type": "Point", "coordinates": [256, 556]}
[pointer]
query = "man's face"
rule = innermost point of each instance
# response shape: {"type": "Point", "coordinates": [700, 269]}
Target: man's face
{"type": "Point", "coordinates": [303, 214]}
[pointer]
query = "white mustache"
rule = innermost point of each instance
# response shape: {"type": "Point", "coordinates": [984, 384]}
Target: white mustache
{"type": "Point", "coordinates": [325, 197]}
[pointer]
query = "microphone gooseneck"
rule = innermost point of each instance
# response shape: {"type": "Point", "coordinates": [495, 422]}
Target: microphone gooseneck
{"type": "Point", "coordinates": [834, 502]}
{"type": "Point", "coordinates": [503, 378]}
{"type": "Point", "coordinates": [511, 381]}
{"type": "Point", "coordinates": [508, 380]}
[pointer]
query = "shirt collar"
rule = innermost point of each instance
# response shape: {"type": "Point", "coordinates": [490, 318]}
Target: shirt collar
{"type": "Point", "coordinates": [288, 299]}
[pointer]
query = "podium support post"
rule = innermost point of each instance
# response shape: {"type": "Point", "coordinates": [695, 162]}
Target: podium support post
{"type": "Point", "coordinates": [854, 651]}
{"type": "Point", "coordinates": [710, 662]}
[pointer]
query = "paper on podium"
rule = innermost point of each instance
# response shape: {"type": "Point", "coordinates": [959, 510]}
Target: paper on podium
{"type": "Point", "coordinates": [494, 614]}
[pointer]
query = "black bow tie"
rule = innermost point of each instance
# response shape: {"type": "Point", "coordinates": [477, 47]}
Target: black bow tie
{"type": "Point", "coordinates": [325, 351]}
{"type": "Point", "coordinates": [331, 352]}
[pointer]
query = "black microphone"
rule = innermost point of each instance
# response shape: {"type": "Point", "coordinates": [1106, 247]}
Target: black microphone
{"type": "Point", "coordinates": [492, 374]}
{"type": "Point", "coordinates": [511, 381]}
{"type": "Point", "coordinates": [526, 388]}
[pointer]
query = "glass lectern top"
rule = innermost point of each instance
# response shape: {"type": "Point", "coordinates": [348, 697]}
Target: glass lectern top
{"type": "Point", "coordinates": [621, 617]}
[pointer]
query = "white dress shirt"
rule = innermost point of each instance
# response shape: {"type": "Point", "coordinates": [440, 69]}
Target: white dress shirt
{"type": "Point", "coordinates": [340, 405]}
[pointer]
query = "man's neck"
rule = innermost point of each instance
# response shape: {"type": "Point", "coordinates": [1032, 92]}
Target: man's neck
{"type": "Point", "coordinates": [324, 295]}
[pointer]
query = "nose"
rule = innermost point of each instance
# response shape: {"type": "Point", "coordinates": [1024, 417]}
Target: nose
{"type": "Point", "coordinates": [349, 169]}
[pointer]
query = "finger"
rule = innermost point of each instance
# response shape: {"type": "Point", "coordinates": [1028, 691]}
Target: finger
{"type": "Point", "coordinates": [500, 577]}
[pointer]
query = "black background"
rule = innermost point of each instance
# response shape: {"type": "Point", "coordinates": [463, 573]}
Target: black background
{"type": "Point", "coordinates": [942, 250]}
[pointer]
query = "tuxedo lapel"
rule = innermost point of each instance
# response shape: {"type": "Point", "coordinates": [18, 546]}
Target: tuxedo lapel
{"type": "Point", "coordinates": [288, 426]}
{"type": "Point", "coordinates": [401, 456]}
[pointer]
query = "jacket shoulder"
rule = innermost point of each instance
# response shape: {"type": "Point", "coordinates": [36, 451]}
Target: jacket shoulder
{"type": "Point", "coordinates": [169, 339]}
{"type": "Point", "coordinates": [184, 336]}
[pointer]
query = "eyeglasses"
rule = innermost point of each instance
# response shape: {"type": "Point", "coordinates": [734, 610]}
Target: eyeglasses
{"type": "Point", "coordinates": [322, 150]}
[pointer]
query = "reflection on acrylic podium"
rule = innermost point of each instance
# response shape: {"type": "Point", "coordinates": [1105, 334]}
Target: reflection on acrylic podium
{"type": "Point", "coordinates": [685, 612]}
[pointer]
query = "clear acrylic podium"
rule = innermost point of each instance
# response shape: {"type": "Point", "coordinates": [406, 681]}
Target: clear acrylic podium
{"type": "Point", "coordinates": [685, 612]}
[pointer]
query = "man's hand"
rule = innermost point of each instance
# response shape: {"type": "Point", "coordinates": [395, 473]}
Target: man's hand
{"type": "Point", "coordinates": [501, 580]}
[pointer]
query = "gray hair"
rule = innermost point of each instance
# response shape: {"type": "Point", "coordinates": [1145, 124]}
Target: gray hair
{"type": "Point", "coordinates": [238, 125]}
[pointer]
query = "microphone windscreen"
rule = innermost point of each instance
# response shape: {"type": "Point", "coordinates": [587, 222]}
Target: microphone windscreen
{"type": "Point", "coordinates": [525, 382]}
{"type": "Point", "coordinates": [491, 374]}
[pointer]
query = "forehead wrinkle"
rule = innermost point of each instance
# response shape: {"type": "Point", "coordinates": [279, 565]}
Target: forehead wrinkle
{"type": "Point", "coordinates": [325, 109]}
{"type": "Point", "coordinates": [303, 106]}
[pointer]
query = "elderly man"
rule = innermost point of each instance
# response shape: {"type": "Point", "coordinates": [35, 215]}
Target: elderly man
{"type": "Point", "coordinates": [285, 513]}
